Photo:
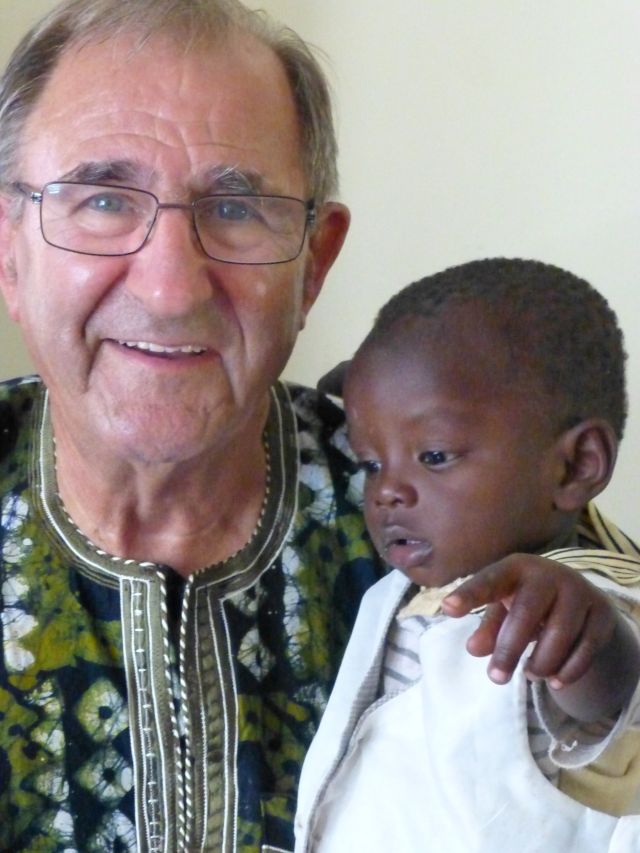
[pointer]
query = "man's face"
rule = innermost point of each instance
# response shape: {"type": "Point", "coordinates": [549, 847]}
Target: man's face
{"type": "Point", "coordinates": [171, 124]}
{"type": "Point", "coordinates": [458, 470]}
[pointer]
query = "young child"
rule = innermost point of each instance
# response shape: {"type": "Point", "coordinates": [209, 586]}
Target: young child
{"type": "Point", "coordinates": [485, 408]}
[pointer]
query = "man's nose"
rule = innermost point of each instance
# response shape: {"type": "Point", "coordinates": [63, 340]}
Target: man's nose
{"type": "Point", "coordinates": [171, 274]}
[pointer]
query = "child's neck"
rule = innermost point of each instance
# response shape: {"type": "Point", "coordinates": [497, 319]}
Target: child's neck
{"type": "Point", "coordinates": [566, 538]}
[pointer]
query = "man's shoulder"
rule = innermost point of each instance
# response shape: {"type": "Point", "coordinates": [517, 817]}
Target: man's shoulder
{"type": "Point", "coordinates": [315, 407]}
{"type": "Point", "coordinates": [329, 481]}
{"type": "Point", "coordinates": [319, 415]}
{"type": "Point", "coordinates": [20, 388]}
{"type": "Point", "coordinates": [17, 400]}
{"type": "Point", "coordinates": [322, 434]}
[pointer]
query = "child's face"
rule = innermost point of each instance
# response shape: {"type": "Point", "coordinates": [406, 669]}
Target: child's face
{"type": "Point", "coordinates": [459, 466]}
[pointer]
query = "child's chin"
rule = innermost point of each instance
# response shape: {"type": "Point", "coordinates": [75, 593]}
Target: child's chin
{"type": "Point", "coordinates": [431, 576]}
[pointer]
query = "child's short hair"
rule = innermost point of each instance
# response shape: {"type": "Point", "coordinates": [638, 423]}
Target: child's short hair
{"type": "Point", "coordinates": [558, 329]}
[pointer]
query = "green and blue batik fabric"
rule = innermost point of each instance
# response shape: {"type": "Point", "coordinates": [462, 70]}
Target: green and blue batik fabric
{"type": "Point", "coordinates": [141, 712]}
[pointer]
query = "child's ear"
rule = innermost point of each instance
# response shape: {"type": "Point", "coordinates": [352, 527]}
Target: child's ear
{"type": "Point", "coordinates": [589, 452]}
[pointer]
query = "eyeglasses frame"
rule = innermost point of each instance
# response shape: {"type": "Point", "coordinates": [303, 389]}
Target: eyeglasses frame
{"type": "Point", "coordinates": [37, 196]}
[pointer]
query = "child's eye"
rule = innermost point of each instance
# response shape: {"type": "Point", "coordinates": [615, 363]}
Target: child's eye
{"type": "Point", "coordinates": [369, 466]}
{"type": "Point", "coordinates": [433, 458]}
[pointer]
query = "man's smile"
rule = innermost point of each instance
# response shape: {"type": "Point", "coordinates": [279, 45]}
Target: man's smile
{"type": "Point", "coordinates": [162, 350]}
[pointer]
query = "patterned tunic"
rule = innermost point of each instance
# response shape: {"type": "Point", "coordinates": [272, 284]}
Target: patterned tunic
{"type": "Point", "coordinates": [143, 712]}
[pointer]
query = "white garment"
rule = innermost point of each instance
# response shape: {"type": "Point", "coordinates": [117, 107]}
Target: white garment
{"type": "Point", "coordinates": [443, 767]}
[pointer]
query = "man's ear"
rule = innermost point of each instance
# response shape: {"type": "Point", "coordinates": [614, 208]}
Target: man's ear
{"type": "Point", "coordinates": [588, 451]}
{"type": "Point", "coordinates": [8, 278]}
{"type": "Point", "coordinates": [325, 242]}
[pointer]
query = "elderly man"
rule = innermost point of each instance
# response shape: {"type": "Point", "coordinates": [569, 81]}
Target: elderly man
{"type": "Point", "coordinates": [182, 560]}
{"type": "Point", "coordinates": [182, 550]}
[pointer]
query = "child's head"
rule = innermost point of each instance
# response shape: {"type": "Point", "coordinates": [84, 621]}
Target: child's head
{"type": "Point", "coordinates": [485, 407]}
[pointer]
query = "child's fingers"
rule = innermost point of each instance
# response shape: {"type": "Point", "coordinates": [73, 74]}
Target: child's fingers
{"type": "Point", "coordinates": [491, 584]}
{"type": "Point", "coordinates": [597, 630]}
{"type": "Point", "coordinates": [483, 640]}
{"type": "Point", "coordinates": [566, 627]}
{"type": "Point", "coordinates": [527, 611]}
{"type": "Point", "coordinates": [530, 598]}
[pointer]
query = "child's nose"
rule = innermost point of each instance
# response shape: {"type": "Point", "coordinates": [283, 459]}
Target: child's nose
{"type": "Point", "coordinates": [395, 492]}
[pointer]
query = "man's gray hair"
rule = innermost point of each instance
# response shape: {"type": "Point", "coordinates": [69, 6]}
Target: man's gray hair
{"type": "Point", "coordinates": [190, 23]}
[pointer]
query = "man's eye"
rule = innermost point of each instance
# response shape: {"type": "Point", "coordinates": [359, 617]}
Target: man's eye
{"type": "Point", "coordinates": [433, 458]}
{"type": "Point", "coordinates": [369, 466]}
{"type": "Point", "coordinates": [233, 210]}
{"type": "Point", "coordinates": [107, 203]}
{"type": "Point", "coordinates": [229, 210]}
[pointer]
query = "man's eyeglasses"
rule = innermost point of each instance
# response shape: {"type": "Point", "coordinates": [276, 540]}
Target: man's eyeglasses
{"type": "Point", "coordinates": [96, 219]}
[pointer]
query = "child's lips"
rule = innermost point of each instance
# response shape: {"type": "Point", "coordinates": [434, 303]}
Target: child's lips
{"type": "Point", "coordinates": [405, 551]}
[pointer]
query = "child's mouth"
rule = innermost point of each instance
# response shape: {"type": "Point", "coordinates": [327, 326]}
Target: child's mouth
{"type": "Point", "coordinates": [404, 552]}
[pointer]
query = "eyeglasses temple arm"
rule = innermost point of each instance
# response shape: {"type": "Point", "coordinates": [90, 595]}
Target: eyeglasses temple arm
{"type": "Point", "coordinates": [311, 213]}
{"type": "Point", "coordinates": [32, 195]}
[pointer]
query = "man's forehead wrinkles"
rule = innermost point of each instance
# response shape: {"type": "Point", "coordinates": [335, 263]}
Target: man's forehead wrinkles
{"type": "Point", "coordinates": [173, 130]}
{"type": "Point", "coordinates": [128, 156]}
{"type": "Point", "coordinates": [176, 149]}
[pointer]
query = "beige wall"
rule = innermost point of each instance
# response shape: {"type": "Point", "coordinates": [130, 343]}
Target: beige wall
{"type": "Point", "coordinates": [470, 129]}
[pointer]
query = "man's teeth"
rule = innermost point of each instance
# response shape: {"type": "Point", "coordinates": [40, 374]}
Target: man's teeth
{"type": "Point", "coordinates": [149, 347]}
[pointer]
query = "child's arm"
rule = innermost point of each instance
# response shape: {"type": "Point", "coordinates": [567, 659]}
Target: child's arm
{"type": "Point", "coordinates": [586, 651]}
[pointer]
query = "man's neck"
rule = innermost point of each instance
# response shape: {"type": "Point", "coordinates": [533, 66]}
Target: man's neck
{"type": "Point", "coordinates": [187, 515]}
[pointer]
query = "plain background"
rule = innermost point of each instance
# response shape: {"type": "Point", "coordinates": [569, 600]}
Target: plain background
{"type": "Point", "coordinates": [467, 129]}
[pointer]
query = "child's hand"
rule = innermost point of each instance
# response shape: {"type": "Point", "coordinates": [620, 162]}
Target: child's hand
{"type": "Point", "coordinates": [531, 598]}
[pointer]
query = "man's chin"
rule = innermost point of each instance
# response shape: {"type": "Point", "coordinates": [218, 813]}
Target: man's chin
{"type": "Point", "coordinates": [155, 435]}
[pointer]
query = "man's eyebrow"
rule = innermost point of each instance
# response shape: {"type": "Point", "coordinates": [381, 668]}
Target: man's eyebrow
{"type": "Point", "coordinates": [231, 179]}
{"type": "Point", "coordinates": [106, 171]}
{"type": "Point", "coordinates": [224, 178]}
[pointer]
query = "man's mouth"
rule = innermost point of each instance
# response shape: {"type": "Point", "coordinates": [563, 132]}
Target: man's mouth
{"type": "Point", "coordinates": [164, 351]}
